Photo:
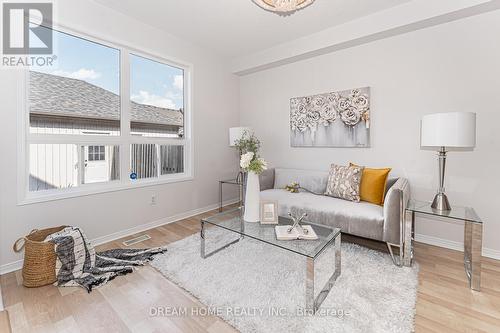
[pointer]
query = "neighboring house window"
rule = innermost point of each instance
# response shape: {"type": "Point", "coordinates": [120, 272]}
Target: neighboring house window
{"type": "Point", "coordinates": [81, 96]}
{"type": "Point", "coordinates": [97, 153]}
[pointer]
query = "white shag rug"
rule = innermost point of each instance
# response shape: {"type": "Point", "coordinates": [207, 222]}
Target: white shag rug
{"type": "Point", "coordinates": [256, 287]}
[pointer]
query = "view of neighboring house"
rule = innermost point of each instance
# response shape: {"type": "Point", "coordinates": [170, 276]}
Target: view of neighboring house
{"type": "Point", "coordinates": [62, 105]}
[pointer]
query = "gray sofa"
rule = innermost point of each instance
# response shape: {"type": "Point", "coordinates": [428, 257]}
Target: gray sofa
{"type": "Point", "coordinates": [381, 223]}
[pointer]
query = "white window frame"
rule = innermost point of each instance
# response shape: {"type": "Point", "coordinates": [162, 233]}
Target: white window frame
{"type": "Point", "coordinates": [124, 140]}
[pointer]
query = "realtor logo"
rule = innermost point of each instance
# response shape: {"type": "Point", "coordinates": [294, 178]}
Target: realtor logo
{"type": "Point", "coordinates": [25, 28]}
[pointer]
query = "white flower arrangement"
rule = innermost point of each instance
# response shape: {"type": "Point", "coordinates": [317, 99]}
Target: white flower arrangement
{"type": "Point", "coordinates": [249, 147]}
{"type": "Point", "coordinates": [246, 159]}
{"type": "Point", "coordinates": [249, 162]}
{"type": "Point", "coordinates": [263, 163]}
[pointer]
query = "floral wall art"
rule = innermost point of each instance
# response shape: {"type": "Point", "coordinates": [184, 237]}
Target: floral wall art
{"type": "Point", "coordinates": [337, 119]}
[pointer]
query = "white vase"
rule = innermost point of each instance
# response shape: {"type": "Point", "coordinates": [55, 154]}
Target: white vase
{"type": "Point", "coordinates": [252, 198]}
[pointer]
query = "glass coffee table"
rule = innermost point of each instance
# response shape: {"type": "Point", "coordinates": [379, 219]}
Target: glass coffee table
{"type": "Point", "coordinates": [311, 250]}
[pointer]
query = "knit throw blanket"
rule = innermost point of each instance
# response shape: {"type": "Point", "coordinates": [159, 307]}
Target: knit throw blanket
{"type": "Point", "coordinates": [78, 264]}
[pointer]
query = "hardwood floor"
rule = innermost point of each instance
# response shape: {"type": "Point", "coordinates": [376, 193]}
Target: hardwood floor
{"type": "Point", "coordinates": [4, 322]}
{"type": "Point", "coordinates": [444, 303]}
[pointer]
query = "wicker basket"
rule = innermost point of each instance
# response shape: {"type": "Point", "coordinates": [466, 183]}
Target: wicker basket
{"type": "Point", "coordinates": [39, 268]}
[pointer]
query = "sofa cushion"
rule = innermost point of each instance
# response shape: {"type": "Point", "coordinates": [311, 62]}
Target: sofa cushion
{"type": "Point", "coordinates": [266, 179]}
{"type": "Point", "coordinates": [357, 218]}
{"type": "Point", "coordinates": [344, 182]}
{"type": "Point", "coordinates": [373, 184]}
{"type": "Point", "coordinates": [314, 181]}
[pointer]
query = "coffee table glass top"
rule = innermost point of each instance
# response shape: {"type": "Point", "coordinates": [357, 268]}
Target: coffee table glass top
{"type": "Point", "coordinates": [232, 220]}
{"type": "Point", "coordinates": [456, 212]}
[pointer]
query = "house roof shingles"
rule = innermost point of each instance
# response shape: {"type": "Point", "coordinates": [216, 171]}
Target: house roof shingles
{"type": "Point", "coordinates": [61, 96]}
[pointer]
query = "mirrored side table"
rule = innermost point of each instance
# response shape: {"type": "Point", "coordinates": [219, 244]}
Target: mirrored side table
{"type": "Point", "coordinates": [473, 235]}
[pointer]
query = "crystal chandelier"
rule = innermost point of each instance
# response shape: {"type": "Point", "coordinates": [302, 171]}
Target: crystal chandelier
{"type": "Point", "coordinates": [283, 6]}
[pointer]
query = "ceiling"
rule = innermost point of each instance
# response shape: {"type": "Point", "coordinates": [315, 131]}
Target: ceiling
{"type": "Point", "coordinates": [235, 28]}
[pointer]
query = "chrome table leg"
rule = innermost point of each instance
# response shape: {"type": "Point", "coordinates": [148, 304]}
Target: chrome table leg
{"type": "Point", "coordinates": [203, 253]}
{"type": "Point", "coordinates": [310, 304]}
{"type": "Point", "coordinates": [220, 197]}
{"type": "Point", "coordinates": [473, 239]}
{"type": "Point", "coordinates": [202, 239]}
{"type": "Point", "coordinates": [313, 303]}
{"type": "Point", "coordinates": [408, 231]}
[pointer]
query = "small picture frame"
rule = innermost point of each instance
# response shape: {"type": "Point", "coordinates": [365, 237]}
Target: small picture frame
{"type": "Point", "coordinates": [269, 212]}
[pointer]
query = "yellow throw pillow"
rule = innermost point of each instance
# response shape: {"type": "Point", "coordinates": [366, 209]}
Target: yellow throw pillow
{"type": "Point", "coordinates": [373, 182]}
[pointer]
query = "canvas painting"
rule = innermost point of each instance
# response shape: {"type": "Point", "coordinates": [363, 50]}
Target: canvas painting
{"type": "Point", "coordinates": [336, 119]}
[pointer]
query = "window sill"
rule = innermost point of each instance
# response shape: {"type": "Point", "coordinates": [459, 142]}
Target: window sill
{"type": "Point", "coordinates": [92, 189]}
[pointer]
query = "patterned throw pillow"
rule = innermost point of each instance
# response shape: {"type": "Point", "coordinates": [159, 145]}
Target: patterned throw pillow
{"type": "Point", "coordinates": [344, 181]}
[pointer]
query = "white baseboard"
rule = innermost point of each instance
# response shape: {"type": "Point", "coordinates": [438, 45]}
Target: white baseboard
{"type": "Point", "coordinates": [490, 253]}
{"type": "Point", "coordinates": [16, 265]}
{"type": "Point", "coordinates": [157, 223]}
{"type": "Point", "coordinates": [11, 267]}
{"type": "Point", "coordinates": [452, 245]}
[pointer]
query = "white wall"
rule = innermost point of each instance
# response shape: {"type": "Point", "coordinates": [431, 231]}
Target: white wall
{"type": "Point", "coordinates": [452, 67]}
{"type": "Point", "coordinates": [214, 111]}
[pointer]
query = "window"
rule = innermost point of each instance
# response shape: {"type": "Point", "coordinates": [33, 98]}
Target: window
{"type": "Point", "coordinates": [80, 94]}
{"type": "Point", "coordinates": [157, 98]}
{"type": "Point", "coordinates": [96, 153]}
{"type": "Point", "coordinates": [157, 110]}
{"type": "Point", "coordinates": [76, 139]}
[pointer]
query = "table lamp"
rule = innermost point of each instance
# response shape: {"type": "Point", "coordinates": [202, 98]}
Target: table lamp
{"type": "Point", "coordinates": [445, 132]}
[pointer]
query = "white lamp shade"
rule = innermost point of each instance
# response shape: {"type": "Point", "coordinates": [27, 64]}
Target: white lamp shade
{"type": "Point", "coordinates": [235, 134]}
{"type": "Point", "coordinates": [454, 130]}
